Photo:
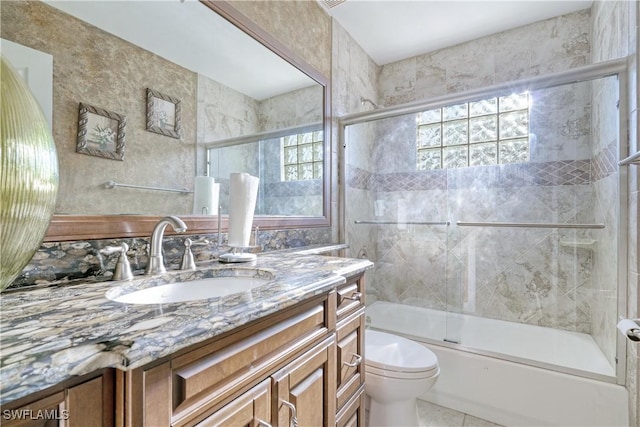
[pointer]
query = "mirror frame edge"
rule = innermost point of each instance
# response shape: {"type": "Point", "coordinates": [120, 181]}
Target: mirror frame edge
{"type": "Point", "coordinates": [89, 227]}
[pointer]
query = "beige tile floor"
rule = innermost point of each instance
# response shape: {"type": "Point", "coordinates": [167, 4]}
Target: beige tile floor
{"type": "Point", "coordinates": [431, 415]}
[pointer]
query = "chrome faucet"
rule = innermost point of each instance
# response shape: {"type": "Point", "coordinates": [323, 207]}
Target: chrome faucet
{"type": "Point", "coordinates": [156, 261]}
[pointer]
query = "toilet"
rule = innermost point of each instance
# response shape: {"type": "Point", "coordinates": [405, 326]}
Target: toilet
{"type": "Point", "coordinates": [398, 370]}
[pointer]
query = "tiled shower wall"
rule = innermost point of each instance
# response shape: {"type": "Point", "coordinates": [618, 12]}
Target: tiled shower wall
{"type": "Point", "coordinates": [615, 35]}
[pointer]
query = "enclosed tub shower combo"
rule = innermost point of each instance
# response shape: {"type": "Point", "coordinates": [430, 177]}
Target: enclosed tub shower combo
{"type": "Point", "coordinates": [494, 218]}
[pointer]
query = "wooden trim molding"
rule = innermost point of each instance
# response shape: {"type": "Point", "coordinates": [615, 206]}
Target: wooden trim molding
{"type": "Point", "coordinates": [92, 227]}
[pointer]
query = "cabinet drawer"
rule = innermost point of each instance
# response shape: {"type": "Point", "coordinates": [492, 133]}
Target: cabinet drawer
{"type": "Point", "coordinates": [251, 408]}
{"type": "Point", "coordinates": [207, 376]}
{"type": "Point", "coordinates": [350, 296]}
{"type": "Point", "coordinates": [350, 356]}
{"type": "Point", "coordinates": [353, 414]}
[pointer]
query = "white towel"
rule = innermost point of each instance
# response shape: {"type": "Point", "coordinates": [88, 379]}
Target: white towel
{"type": "Point", "coordinates": [243, 192]}
{"type": "Point", "coordinates": [205, 196]}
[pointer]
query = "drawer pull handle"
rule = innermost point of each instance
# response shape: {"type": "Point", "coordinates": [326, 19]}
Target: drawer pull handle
{"type": "Point", "coordinates": [356, 296]}
{"type": "Point", "coordinates": [263, 423]}
{"type": "Point", "coordinates": [294, 412]}
{"type": "Point", "coordinates": [356, 363]}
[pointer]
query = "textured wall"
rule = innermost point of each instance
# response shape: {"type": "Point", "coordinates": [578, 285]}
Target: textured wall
{"type": "Point", "coordinates": [302, 26]}
{"type": "Point", "coordinates": [96, 68]}
{"type": "Point", "coordinates": [540, 48]}
{"type": "Point", "coordinates": [223, 112]}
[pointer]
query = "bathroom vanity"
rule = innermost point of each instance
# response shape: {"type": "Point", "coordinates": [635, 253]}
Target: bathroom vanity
{"type": "Point", "coordinates": [290, 348]}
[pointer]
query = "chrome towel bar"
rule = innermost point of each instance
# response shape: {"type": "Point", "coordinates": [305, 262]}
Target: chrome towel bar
{"type": "Point", "coordinates": [527, 225]}
{"type": "Point", "coordinates": [633, 159]}
{"type": "Point", "coordinates": [112, 184]}
{"type": "Point", "coordinates": [404, 222]}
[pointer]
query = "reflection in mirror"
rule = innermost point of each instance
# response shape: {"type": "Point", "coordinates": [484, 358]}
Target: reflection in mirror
{"type": "Point", "coordinates": [105, 58]}
{"type": "Point", "coordinates": [289, 164]}
{"type": "Point", "coordinates": [281, 142]}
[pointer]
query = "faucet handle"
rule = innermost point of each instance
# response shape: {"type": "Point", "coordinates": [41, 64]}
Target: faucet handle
{"type": "Point", "coordinates": [202, 241]}
{"type": "Point", "coordinates": [188, 263]}
{"type": "Point", "coordinates": [123, 268]}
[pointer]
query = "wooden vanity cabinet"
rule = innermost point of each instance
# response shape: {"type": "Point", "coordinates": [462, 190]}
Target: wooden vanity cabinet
{"type": "Point", "coordinates": [225, 379]}
{"type": "Point", "coordinates": [306, 362]}
{"type": "Point", "coordinates": [80, 403]}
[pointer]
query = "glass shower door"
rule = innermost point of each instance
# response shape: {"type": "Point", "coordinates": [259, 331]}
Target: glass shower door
{"type": "Point", "coordinates": [399, 221]}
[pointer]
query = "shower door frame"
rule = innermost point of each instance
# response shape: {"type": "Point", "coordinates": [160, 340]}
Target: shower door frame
{"type": "Point", "coordinates": [618, 68]}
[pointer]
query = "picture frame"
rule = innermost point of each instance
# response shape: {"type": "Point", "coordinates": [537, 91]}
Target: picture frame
{"type": "Point", "coordinates": [164, 114]}
{"type": "Point", "coordinates": [101, 133]}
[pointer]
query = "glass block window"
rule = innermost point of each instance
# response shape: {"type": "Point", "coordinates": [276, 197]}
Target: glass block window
{"type": "Point", "coordinates": [302, 156]}
{"type": "Point", "coordinates": [479, 133]}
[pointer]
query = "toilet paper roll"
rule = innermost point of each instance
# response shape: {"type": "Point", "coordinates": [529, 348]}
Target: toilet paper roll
{"type": "Point", "coordinates": [243, 192]}
{"type": "Point", "coordinates": [627, 327]}
{"type": "Point", "coordinates": [205, 196]}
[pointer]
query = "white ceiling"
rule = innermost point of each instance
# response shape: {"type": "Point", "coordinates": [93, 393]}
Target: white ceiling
{"type": "Point", "coordinates": [189, 34]}
{"type": "Point", "coordinates": [392, 30]}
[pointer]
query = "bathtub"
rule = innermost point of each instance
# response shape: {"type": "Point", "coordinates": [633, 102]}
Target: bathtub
{"type": "Point", "coordinates": [510, 373]}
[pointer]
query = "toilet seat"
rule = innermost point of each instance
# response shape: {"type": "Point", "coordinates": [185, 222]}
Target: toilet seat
{"type": "Point", "coordinates": [393, 356]}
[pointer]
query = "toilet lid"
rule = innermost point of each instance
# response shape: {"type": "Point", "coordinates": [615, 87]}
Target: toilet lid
{"type": "Point", "coordinates": [396, 353]}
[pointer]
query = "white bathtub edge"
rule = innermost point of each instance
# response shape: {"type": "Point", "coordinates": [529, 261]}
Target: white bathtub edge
{"type": "Point", "coordinates": [514, 394]}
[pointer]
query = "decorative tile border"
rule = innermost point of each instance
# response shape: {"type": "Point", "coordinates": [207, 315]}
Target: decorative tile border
{"type": "Point", "coordinates": [605, 162]}
{"type": "Point", "coordinates": [293, 188]}
{"type": "Point", "coordinates": [566, 172]}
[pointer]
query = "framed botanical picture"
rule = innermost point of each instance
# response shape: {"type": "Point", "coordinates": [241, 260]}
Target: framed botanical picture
{"type": "Point", "coordinates": [100, 132]}
{"type": "Point", "coordinates": [163, 114]}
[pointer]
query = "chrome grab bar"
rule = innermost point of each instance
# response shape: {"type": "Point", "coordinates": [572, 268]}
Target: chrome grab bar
{"type": "Point", "coordinates": [633, 159]}
{"type": "Point", "coordinates": [404, 222]}
{"type": "Point", "coordinates": [527, 225]}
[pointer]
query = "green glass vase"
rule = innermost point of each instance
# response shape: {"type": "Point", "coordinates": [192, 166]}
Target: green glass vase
{"type": "Point", "coordinates": [28, 175]}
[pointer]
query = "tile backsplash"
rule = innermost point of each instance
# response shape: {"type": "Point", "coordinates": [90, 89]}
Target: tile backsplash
{"type": "Point", "coordinates": [61, 262]}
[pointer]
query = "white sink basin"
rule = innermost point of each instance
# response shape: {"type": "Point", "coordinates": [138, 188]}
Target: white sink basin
{"type": "Point", "coordinates": [213, 287]}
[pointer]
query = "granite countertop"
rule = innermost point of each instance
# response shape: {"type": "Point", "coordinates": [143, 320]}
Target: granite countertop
{"type": "Point", "coordinates": [51, 334]}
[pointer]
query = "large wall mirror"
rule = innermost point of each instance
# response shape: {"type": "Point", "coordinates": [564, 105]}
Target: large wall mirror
{"type": "Point", "coordinates": [237, 101]}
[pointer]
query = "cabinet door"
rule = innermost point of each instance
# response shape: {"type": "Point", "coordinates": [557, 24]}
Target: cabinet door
{"type": "Point", "coordinates": [147, 399]}
{"type": "Point", "coordinates": [90, 403]}
{"type": "Point", "coordinates": [305, 389]}
{"type": "Point", "coordinates": [252, 408]}
{"type": "Point", "coordinates": [46, 412]}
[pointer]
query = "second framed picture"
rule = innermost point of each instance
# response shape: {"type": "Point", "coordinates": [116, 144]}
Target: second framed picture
{"type": "Point", "coordinates": [163, 114]}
